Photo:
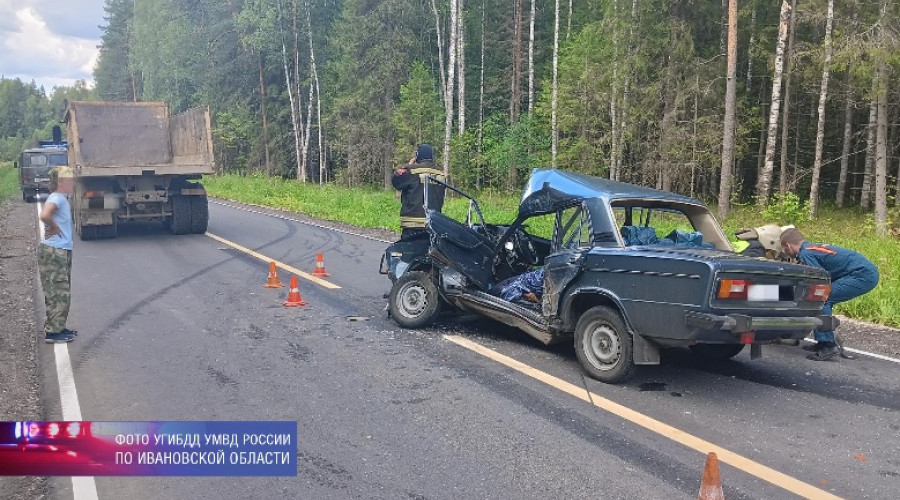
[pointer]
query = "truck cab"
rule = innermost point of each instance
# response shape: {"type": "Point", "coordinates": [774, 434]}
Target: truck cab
{"type": "Point", "coordinates": [35, 163]}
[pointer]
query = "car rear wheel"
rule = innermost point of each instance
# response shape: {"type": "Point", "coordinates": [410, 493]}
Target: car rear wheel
{"type": "Point", "coordinates": [414, 300]}
{"type": "Point", "coordinates": [604, 345]}
{"type": "Point", "coordinates": [716, 352]}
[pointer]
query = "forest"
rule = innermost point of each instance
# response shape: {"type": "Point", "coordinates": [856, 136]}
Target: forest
{"type": "Point", "coordinates": [731, 101]}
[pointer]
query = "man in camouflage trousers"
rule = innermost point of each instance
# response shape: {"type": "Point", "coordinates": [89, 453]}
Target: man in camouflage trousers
{"type": "Point", "coordinates": [55, 256]}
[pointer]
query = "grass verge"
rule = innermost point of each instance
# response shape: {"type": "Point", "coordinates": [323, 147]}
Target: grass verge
{"type": "Point", "coordinates": [9, 179]}
{"type": "Point", "coordinates": [380, 209]}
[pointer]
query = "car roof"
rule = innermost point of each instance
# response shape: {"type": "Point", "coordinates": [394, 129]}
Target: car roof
{"type": "Point", "coordinates": [550, 189]}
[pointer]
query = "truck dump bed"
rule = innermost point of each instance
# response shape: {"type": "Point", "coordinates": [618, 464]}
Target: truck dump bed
{"type": "Point", "coordinates": [137, 138]}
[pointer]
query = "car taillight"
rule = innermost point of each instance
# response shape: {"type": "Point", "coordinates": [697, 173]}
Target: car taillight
{"type": "Point", "coordinates": [734, 289]}
{"type": "Point", "coordinates": [818, 293]}
{"type": "Point", "coordinates": [93, 194]}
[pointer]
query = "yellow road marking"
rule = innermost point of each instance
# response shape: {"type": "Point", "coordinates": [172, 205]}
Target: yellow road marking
{"type": "Point", "coordinates": [768, 474]}
{"type": "Point", "coordinates": [286, 267]}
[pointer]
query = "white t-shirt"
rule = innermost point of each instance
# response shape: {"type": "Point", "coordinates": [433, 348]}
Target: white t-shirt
{"type": "Point", "coordinates": [63, 218]}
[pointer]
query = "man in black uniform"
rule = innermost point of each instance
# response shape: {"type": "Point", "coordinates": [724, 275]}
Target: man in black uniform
{"type": "Point", "coordinates": [410, 181]}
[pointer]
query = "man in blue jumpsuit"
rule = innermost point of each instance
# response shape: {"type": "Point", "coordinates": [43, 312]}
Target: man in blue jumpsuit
{"type": "Point", "coordinates": [851, 274]}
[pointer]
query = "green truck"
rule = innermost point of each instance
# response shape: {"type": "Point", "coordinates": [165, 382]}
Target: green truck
{"type": "Point", "coordinates": [34, 166]}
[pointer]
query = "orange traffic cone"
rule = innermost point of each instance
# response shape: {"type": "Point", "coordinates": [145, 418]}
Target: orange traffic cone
{"type": "Point", "coordinates": [273, 281]}
{"type": "Point", "coordinates": [294, 299]}
{"type": "Point", "coordinates": [711, 484]}
{"type": "Point", "coordinates": [320, 266]}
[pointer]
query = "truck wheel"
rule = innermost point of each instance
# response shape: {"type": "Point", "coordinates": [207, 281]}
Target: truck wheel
{"type": "Point", "coordinates": [716, 352]}
{"type": "Point", "coordinates": [87, 233]}
{"type": "Point", "coordinates": [414, 300]}
{"type": "Point", "coordinates": [180, 222]}
{"type": "Point", "coordinates": [199, 214]}
{"type": "Point", "coordinates": [603, 345]}
{"type": "Point", "coordinates": [27, 198]}
{"type": "Point", "coordinates": [110, 231]}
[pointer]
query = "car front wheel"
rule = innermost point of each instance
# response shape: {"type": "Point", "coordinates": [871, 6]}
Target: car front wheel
{"type": "Point", "coordinates": [603, 345]}
{"type": "Point", "coordinates": [414, 300]}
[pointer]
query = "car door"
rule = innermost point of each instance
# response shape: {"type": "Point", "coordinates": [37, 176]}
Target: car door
{"type": "Point", "coordinates": [461, 247]}
{"type": "Point", "coordinates": [571, 241]}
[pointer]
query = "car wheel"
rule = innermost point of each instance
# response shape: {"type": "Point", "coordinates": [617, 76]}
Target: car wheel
{"type": "Point", "coordinates": [716, 352]}
{"type": "Point", "coordinates": [414, 300]}
{"type": "Point", "coordinates": [604, 345]}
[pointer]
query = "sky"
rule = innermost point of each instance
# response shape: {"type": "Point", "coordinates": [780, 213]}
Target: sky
{"type": "Point", "coordinates": [53, 42]}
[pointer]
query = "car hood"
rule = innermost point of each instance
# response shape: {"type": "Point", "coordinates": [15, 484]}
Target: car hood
{"type": "Point", "coordinates": [732, 262]}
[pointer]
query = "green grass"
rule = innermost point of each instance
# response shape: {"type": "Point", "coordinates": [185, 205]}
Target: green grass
{"type": "Point", "coordinates": [9, 180]}
{"type": "Point", "coordinates": [380, 209]}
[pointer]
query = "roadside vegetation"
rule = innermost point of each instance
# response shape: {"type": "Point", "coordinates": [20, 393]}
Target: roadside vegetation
{"type": "Point", "coordinates": [9, 181]}
{"type": "Point", "coordinates": [380, 209]}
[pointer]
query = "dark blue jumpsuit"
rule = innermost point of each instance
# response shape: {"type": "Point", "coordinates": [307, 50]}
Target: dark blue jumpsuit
{"type": "Point", "coordinates": [851, 274]}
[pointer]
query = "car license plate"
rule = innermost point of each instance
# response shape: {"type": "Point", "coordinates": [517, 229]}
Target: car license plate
{"type": "Point", "coordinates": [762, 292]}
{"type": "Point", "coordinates": [41, 179]}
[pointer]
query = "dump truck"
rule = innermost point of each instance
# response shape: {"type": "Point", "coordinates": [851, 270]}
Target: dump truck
{"type": "Point", "coordinates": [34, 165]}
{"type": "Point", "coordinates": [133, 161]}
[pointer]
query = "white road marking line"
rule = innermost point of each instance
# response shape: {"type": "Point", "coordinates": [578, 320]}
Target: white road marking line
{"type": "Point", "coordinates": [311, 224]}
{"type": "Point", "coordinates": [864, 353]}
{"type": "Point", "coordinates": [736, 460]}
{"type": "Point", "coordinates": [286, 267]}
{"type": "Point", "coordinates": [83, 487]}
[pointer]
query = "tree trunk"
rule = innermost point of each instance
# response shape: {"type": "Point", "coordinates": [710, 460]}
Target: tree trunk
{"type": "Point", "coordinates": [614, 97]}
{"type": "Point", "coordinates": [865, 196]}
{"type": "Point", "coordinates": [451, 75]}
{"type": "Point", "coordinates": [480, 173]}
{"type": "Point", "coordinates": [461, 58]}
{"type": "Point", "coordinates": [531, 60]}
{"type": "Point", "coordinates": [764, 184]}
{"type": "Point", "coordinates": [515, 86]}
{"type": "Point", "coordinates": [554, 90]}
{"type": "Point", "coordinates": [568, 21]}
{"type": "Point", "coordinates": [301, 169]}
{"type": "Point", "coordinates": [820, 127]}
{"type": "Point", "coordinates": [626, 94]}
{"type": "Point", "coordinates": [440, 43]}
{"type": "Point", "coordinates": [730, 111]}
{"type": "Point", "coordinates": [845, 149]}
{"type": "Point", "coordinates": [786, 114]}
{"type": "Point", "coordinates": [881, 139]}
{"type": "Point", "coordinates": [265, 118]}
{"type": "Point", "coordinates": [750, 49]}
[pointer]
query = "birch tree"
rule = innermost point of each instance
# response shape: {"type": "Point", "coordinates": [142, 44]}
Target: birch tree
{"type": "Point", "coordinates": [461, 66]}
{"type": "Point", "coordinates": [554, 98]}
{"type": "Point", "coordinates": [765, 179]}
{"type": "Point", "coordinates": [820, 126]}
{"type": "Point", "coordinates": [845, 150]}
{"type": "Point", "coordinates": [531, 60]}
{"type": "Point", "coordinates": [865, 195]}
{"type": "Point", "coordinates": [448, 95]}
{"type": "Point", "coordinates": [730, 111]}
{"type": "Point", "coordinates": [786, 114]}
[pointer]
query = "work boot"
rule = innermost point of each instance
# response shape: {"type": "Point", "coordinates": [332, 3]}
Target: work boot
{"type": "Point", "coordinates": [58, 338]}
{"type": "Point", "coordinates": [827, 350]}
{"type": "Point", "coordinates": [812, 347]}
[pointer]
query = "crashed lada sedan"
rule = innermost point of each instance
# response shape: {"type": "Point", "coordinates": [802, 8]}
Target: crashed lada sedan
{"type": "Point", "coordinates": [621, 270]}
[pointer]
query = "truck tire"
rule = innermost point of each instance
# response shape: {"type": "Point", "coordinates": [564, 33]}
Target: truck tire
{"type": "Point", "coordinates": [199, 214]}
{"type": "Point", "coordinates": [26, 197]}
{"type": "Point", "coordinates": [180, 221]}
{"type": "Point", "coordinates": [716, 352]}
{"type": "Point", "coordinates": [604, 345]}
{"type": "Point", "coordinates": [414, 301]}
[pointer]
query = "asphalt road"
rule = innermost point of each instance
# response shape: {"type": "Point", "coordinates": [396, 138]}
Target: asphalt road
{"type": "Point", "coordinates": [180, 328]}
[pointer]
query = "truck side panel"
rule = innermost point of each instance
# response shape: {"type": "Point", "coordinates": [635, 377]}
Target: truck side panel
{"type": "Point", "coordinates": [109, 135]}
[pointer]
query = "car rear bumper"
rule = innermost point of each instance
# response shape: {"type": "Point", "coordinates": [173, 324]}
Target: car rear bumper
{"type": "Point", "coordinates": [738, 323]}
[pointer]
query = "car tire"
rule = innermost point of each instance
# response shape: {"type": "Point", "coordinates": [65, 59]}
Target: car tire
{"type": "Point", "coordinates": [414, 301]}
{"type": "Point", "coordinates": [716, 352]}
{"type": "Point", "coordinates": [604, 345]}
{"type": "Point", "coordinates": [180, 220]}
